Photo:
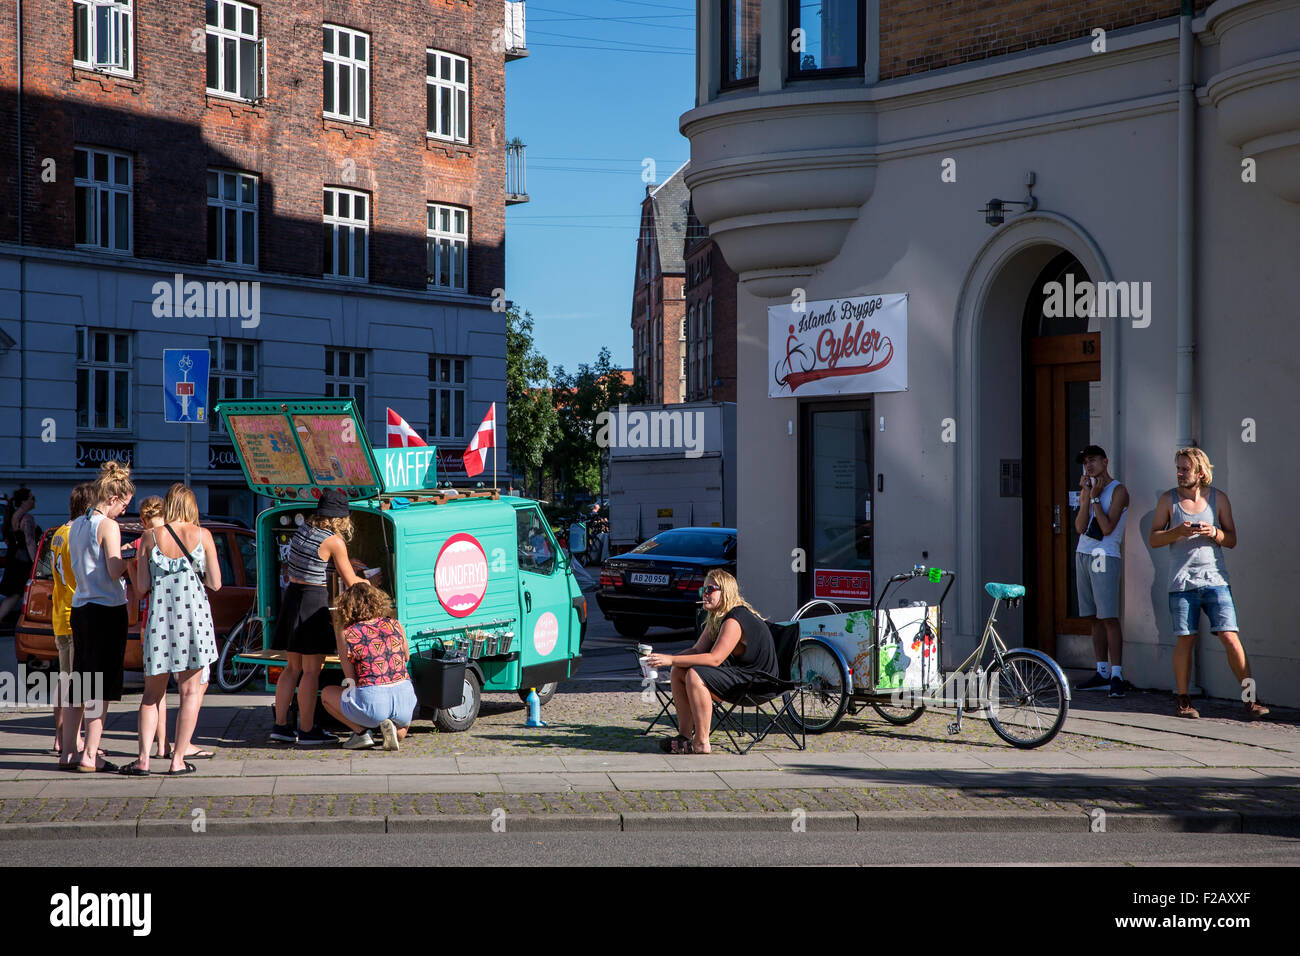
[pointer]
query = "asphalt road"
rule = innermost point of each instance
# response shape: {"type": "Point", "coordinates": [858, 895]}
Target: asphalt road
{"type": "Point", "coordinates": [607, 655]}
{"type": "Point", "coordinates": [668, 849]}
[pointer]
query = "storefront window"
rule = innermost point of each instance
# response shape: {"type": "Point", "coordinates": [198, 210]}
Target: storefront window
{"type": "Point", "coordinates": [837, 517]}
{"type": "Point", "coordinates": [740, 41]}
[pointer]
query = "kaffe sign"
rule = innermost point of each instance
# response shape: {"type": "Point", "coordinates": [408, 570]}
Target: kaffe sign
{"type": "Point", "coordinates": [838, 346]}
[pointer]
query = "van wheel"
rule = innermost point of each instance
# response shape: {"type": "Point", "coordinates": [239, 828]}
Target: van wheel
{"type": "Point", "coordinates": [462, 716]}
{"type": "Point", "coordinates": [544, 693]}
{"type": "Point", "coordinates": [630, 628]}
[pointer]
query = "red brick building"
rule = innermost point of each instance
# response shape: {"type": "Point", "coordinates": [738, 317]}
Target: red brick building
{"type": "Point", "coordinates": [710, 318]}
{"type": "Point", "coordinates": [683, 303]}
{"type": "Point", "coordinates": [347, 160]}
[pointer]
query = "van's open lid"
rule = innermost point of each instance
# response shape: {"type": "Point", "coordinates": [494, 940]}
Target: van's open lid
{"type": "Point", "coordinates": [292, 449]}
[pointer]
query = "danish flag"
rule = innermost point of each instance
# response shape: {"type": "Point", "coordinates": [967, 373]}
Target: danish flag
{"type": "Point", "coordinates": [400, 434]}
{"type": "Point", "coordinates": [485, 438]}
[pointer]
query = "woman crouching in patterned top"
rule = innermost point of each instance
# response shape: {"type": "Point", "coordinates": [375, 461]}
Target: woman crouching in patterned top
{"type": "Point", "coordinates": [373, 651]}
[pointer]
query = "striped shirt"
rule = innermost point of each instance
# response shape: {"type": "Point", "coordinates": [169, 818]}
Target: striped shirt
{"type": "Point", "coordinates": [305, 562]}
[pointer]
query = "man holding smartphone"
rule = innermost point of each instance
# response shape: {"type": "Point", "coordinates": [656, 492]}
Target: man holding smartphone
{"type": "Point", "coordinates": [1197, 525]}
{"type": "Point", "coordinates": [1103, 506]}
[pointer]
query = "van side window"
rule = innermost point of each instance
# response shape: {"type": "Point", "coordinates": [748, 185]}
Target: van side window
{"type": "Point", "coordinates": [536, 552]}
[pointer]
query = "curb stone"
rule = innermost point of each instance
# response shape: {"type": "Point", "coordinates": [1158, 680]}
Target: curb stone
{"type": "Point", "coordinates": [1212, 821]}
{"type": "Point", "coordinates": [1270, 823]}
{"type": "Point", "coordinates": [280, 826]}
{"type": "Point", "coordinates": [514, 823]}
{"type": "Point", "coordinates": [92, 830]}
{"type": "Point", "coordinates": [739, 821]}
{"type": "Point", "coordinates": [971, 821]}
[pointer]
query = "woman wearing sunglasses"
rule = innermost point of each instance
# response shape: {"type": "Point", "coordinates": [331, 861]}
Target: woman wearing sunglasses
{"type": "Point", "coordinates": [734, 647]}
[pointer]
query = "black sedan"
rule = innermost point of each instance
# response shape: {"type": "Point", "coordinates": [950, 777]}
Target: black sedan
{"type": "Point", "coordinates": [658, 582]}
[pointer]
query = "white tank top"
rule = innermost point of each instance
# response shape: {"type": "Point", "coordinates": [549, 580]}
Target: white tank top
{"type": "Point", "coordinates": [94, 585]}
{"type": "Point", "coordinates": [1110, 544]}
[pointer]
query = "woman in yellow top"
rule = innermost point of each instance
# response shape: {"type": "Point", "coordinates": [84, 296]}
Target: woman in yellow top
{"type": "Point", "coordinates": [65, 583]}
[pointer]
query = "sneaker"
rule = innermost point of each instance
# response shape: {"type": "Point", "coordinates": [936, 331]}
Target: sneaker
{"type": "Point", "coordinates": [1095, 682]}
{"type": "Point", "coordinates": [361, 741]}
{"type": "Point", "coordinates": [389, 730]}
{"type": "Point", "coordinates": [1185, 708]}
{"type": "Point", "coordinates": [1255, 710]}
{"type": "Point", "coordinates": [1117, 687]}
{"type": "Point", "coordinates": [284, 734]}
{"type": "Point", "coordinates": [315, 737]}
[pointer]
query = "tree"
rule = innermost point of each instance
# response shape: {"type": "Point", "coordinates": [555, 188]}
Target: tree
{"type": "Point", "coordinates": [530, 410]}
{"type": "Point", "coordinates": [579, 398]}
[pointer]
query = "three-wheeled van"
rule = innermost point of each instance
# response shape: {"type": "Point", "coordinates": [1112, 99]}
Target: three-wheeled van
{"type": "Point", "coordinates": [487, 597]}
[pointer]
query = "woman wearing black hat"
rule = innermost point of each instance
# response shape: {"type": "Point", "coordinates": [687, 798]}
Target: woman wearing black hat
{"type": "Point", "coordinates": [304, 628]}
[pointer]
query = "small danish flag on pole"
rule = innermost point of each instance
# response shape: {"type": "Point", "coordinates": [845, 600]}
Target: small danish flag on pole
{"type": "Point", "coordinates": [400, 434]}
{"type": "Point", "coordinates": [485, 438]}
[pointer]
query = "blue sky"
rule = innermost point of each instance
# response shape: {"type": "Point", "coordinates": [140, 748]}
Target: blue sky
{"type": "Point", "coordinates": [601, 90]}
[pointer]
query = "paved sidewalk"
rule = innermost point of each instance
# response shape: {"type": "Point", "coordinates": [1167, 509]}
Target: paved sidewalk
{"type": "Point", "coordinates": [592, 768]}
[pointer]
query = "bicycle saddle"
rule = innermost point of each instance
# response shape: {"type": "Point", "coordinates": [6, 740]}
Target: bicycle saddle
{"type": "Point", "coordinates": [1004, 590]}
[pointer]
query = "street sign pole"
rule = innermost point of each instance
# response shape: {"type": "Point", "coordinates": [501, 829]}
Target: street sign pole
{"type": "Point", "coordinates": [185, 394]}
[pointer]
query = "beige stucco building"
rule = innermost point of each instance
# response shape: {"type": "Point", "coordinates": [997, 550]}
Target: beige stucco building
{"type": "Point", "coordinates": [1165, 151]}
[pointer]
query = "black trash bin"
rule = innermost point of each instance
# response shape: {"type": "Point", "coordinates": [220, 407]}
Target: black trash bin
{"type": "Point", "coordinates": [439, 680]}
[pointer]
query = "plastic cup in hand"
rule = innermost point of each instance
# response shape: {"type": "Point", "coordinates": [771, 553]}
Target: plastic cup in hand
{"type": "Point", "coordinates": [644, 650]}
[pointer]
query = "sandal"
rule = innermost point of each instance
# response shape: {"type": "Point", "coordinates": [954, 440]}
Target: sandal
{"type": "Point", "coordinates": [105, 767]}
{"type": "Point", "coordinates": [189, 768]}
{"type": "Point", "coordinates": [199, 754]}
{"type": "Point", "coordinates": [133, 769]}
{"type": "Point", "coordinates": [672, 745]}
{"type": "Point", "coordinates": [693, 748]}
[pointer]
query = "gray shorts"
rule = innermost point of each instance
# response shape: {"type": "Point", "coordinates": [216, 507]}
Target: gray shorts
{"type": "Point", "coordinates": [1098, 588]}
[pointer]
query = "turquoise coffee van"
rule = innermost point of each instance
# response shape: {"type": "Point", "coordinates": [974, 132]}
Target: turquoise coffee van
{"type": "Point", "coordinates": [477, 571]}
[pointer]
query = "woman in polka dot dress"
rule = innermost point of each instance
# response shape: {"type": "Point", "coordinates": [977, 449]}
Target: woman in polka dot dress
{"type": "Point", "coordinates": [175, 561]}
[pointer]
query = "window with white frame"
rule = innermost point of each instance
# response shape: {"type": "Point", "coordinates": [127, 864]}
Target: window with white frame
{"type": "Point", "coordinates": [236, 56]}
{"type": "Point", "coordinates": [233, 375]}
{"type": "Point", "coordinates": [103, 379]}
{"type": "Point", "coordinates": [346, 229]}
{"type": "Point", "coordinates": [347, 74]}
{"type": "Point", "coordinates": [232, 218]}
{"type": "Point", "coordinates": [102, 200]}
{"type": "Point", "coordinates": [446, 246]}
{"type": "Point", "coordinates": [447, 89]}
{"type": "Point", "coordinates": [448, 395]}
{"type": "Point", "coordinates": [345, 376]}
{"type": "Point", "coordinates": [102, 35]}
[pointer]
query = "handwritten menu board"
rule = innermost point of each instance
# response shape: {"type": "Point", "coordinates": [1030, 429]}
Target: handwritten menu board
{"type": "Point", "coordinates": [334, 451]}
{"type": "Point", "coordinates": [267, 447]}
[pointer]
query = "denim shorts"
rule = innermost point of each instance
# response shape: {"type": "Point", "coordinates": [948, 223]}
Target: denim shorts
{"type": "Point", "coordinates": [1216, 602]}
{"type": "Point", "coordinates": [369, 706]}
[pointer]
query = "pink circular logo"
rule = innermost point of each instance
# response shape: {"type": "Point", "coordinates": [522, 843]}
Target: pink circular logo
{"type": "Point", "coordinates": [460, 575]}
{"type": "Point", "coordinates": [545, 633]}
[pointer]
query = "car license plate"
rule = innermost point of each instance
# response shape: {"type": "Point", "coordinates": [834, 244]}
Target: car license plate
{"type": "Point", "coordinates": [640, 578]}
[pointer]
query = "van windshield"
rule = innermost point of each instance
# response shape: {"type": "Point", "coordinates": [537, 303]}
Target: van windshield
{"type": "Point", "coordinates": [687, 544]}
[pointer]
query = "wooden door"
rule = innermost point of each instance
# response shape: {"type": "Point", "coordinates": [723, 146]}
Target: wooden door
{"type": "Point", "coordinates": [1063, 366]}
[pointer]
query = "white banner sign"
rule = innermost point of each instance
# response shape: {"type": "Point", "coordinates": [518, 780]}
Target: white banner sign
{"type": "Point", "coordinates": [838, 346]}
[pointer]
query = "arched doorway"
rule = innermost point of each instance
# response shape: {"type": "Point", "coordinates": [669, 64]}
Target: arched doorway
{"type": "Point", "coordinates": [1061, 375]}
{"type": "Point", "coordinates": [999, 513]}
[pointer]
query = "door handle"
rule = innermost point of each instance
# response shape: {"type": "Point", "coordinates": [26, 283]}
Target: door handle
{"type": "Point", "coordinates": [528, 602]}
{"type": "Point", "coordinates": [1056, 519]}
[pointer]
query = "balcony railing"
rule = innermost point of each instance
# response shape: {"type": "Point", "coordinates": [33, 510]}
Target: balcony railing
{"type": "Point", "coordinates": [516, 183]}
{"type": "Point", "coordinates": [516, 46]}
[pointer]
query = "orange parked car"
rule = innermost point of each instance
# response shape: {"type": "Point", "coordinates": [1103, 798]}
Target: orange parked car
{"type": "Point", "coordinates": [236, 553]}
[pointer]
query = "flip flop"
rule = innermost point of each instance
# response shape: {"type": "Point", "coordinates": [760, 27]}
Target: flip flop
{"type": "Point", "coordinates": [198, 755]}
{"type": "Point", "coordinates": [672, 745]}
{"type": "Point", "coordinates": [133, 769]}
{"type": "Point", "coordinates": [106, 767]}
{"type": "Point", "coordinates": [189, 768]}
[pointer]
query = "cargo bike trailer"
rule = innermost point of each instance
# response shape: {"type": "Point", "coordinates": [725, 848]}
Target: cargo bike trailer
{"type": "Point", "coordinates": [889, 660]}
{"type": "Point", "coordinates": [486, 595]}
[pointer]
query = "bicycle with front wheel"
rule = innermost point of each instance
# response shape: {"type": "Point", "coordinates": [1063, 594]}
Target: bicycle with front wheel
{"type": "Point", "coordinates": [1022, 691]}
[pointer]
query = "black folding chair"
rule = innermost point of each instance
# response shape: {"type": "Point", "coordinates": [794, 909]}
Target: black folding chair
{"type": "Point", "coordinates": [768, 699]}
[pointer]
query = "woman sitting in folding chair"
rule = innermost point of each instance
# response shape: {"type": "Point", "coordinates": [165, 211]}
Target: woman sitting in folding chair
{"type": "Point", "coordinates": [735, 646]}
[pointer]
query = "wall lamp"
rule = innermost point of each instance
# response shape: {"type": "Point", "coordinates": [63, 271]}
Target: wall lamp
{"type": "Point", "coordinates": [995, 211]}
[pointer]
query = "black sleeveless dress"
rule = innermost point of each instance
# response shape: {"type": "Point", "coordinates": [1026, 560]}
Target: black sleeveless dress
{"type": "Point", "coordinates": [757, 660]}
